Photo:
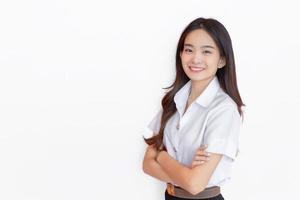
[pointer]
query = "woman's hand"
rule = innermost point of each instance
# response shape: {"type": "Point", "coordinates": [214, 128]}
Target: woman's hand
{"type": "Point", "coordinates": [152, 151]}
{"type": "Point", "coordinates": [200, 157]}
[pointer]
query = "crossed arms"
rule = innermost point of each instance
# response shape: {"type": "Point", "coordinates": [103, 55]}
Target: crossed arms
{"type": "Point", "coordinates": [194, 178]}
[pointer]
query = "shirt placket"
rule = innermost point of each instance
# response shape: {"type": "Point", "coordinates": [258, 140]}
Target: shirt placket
{"type": "Point", "coordinates": [180, 124]}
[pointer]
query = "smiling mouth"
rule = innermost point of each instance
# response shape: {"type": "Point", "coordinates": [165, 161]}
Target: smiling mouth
{"type": "Point", "coordinates": [196, 69]}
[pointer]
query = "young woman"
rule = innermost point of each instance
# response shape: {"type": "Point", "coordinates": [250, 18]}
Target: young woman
{"type": "Point", "coordinates": [202, 107]}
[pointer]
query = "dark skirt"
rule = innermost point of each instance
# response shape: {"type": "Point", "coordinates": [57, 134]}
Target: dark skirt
{"type": "Point", "coordinates": [170, 197]}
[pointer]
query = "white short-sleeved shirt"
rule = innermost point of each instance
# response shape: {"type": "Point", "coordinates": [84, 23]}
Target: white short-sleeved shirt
{"type": "Point", "coordinates": [211, 119]}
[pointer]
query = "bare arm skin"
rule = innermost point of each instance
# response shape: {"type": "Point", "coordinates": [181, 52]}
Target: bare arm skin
{"type": "Point", "coordinates": [151, 166]}
{"type": "Point", "coordinates": [193, 180]}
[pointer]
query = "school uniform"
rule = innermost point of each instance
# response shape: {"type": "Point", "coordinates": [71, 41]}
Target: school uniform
{"type": "Point", "coordinates": [212, 119]}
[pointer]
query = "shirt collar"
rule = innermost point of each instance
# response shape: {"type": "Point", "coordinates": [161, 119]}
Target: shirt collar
{"type": "Point", "coordinates": [204, 99]}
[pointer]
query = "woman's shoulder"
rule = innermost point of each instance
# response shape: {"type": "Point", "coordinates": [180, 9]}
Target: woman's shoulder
{"type": "Point", "coordinates": [223, 101]}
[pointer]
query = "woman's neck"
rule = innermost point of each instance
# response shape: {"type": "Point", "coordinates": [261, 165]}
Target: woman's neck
{"type": "Point", "coordinates": [198, 87]}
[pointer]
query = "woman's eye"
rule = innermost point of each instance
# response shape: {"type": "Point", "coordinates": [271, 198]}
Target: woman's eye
{"type": "Point", "coordinates": [206, 52]}
{"type": "Point", "coordinates": [188, 50]}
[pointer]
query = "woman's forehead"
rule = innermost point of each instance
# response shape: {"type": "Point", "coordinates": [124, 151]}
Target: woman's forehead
{"type": "Point", "coordinates": [199, 38]}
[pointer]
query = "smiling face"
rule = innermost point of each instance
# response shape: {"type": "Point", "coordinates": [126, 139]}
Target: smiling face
{"type": "Point", "coordinates": [200, 57]}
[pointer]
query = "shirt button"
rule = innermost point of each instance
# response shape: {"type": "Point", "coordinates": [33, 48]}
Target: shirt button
{"type": "Point", "coordinates": [175, 149]}
{"type": "Point", "coordinates": [177, 126]}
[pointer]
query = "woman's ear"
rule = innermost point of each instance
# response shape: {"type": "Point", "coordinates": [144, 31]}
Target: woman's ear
{"type": "Point", "coordinates": [222, 63]}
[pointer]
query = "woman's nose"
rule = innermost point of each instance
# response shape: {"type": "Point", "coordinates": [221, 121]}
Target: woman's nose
{"type": "Point", "coordinates": [197, 58]}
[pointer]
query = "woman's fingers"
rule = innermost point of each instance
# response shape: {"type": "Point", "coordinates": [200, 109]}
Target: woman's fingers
{"type": "Point", "coordinates": [197, 162]}
{"type": "Point", "coordinates": [201, 158]}
{"type": "Point", "coordinates": [203, 147]}
{"type": "Point", "coordinates": [201, 151]}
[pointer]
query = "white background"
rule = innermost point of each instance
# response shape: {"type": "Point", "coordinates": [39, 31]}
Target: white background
{"type": "Point", "coordinates": [80, 81]}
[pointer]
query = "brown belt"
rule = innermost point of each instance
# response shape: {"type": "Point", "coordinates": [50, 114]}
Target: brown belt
{"type": "Point", "coordinates": [179, 192]}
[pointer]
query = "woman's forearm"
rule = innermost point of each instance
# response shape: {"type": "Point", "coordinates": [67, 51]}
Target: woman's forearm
{"type": "Point", "coordinates": [152, 168]}
{"type": "Point", "coordinates": [178, 172]}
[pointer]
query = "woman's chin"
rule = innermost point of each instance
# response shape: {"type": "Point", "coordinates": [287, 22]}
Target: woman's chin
{"type": "Point", "coordinates": [199, 78]}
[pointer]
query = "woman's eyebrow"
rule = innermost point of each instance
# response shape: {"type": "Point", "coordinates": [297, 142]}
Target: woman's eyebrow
{"type": "Point", "coordinates": [207, 46]}
{"type": "Point", "coordinates": [188, 45]}
{"type": "Point", "coordinates": [204, 46]}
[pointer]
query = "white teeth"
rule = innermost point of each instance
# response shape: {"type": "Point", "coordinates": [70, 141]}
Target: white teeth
{"type": "Point", "coordinates": [196, 68]}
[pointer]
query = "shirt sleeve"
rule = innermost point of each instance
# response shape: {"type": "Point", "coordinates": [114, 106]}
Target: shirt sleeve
{"type": "Point", "coordinates": [222, 131]}
{"type": "Point", "coordinates": [154, 125]}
